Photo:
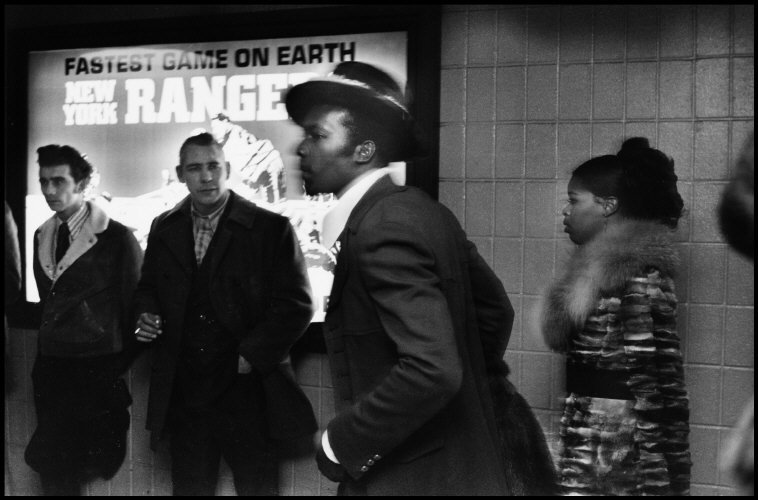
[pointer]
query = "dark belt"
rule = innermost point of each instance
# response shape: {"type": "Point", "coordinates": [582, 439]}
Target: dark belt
{"type": "Point", "coordinates": [590, 381]}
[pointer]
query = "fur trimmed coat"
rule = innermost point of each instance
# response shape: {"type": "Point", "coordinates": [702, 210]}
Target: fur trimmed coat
{"type": "Point", "coordinates": [613, 313]}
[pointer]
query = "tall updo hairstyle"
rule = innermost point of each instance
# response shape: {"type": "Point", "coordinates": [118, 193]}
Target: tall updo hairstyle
{"type": "Point", "coordinates": [641, 177]}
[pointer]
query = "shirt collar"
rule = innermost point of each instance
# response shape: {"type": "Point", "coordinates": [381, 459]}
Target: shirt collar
{"type": "Point", "coordinates": [213, 215]}
{"type": "Point", "coordinates": [336, 218]}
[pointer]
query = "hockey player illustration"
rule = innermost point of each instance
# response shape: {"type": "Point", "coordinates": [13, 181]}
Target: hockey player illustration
{"type": "Point", "coordinates": [257, 168]}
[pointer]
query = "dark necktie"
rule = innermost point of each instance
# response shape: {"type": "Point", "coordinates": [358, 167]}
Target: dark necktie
{"type": "Point", "coordinates": [62, 244]}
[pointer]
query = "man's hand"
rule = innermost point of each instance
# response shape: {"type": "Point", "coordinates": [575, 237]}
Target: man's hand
{"type": "Point", "coordinates": [148, 327]}
{"type": "Point", "coordinates": [331, 470]}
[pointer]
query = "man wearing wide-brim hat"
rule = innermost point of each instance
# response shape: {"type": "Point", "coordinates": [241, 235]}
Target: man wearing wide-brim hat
{"type": "Point", "coordinates": [416, 319]}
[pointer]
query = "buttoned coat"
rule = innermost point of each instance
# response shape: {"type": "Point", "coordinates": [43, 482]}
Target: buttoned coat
{"type": "Point", "coordinates": [259, 290]}
{"type": "Point", "coordinates": [414, 413]}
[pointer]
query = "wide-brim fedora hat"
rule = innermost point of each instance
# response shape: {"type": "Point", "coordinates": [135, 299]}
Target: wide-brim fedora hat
{"type": "Point", "coordinates": [361, 87]}
{"type": "Point", "coordinates": [354, 85]}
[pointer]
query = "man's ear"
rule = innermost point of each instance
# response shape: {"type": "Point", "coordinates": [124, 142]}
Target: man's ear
{"type": "Point", "coordinates": [180, 173]}
{"type": "Point", "coordinates": [228, 169]}
{"type": "Point", "coordinates": [610, 205]}
{"type": "Point", "coordinates": [364, 152]}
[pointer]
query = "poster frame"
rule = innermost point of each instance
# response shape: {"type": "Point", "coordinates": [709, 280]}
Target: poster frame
{"type": "Point", "coordinates": [420, 22]}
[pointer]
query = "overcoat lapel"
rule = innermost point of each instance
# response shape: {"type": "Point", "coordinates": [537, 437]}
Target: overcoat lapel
{"type": "Point", "coordinates": [379, 190]}
{"type": "Point", "coordinates": [177, 236]}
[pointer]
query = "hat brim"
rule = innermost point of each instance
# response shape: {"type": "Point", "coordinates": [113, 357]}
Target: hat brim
{"type": "Point", "coordinates": [301, 98]}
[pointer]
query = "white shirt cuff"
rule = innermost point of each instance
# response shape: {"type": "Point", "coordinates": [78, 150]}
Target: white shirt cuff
{"type": "Point", "coordinates": [328, 449]}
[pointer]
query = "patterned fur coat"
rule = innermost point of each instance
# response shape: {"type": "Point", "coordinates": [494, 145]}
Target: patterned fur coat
{"type": "Point", "coordinates": [624, 429]}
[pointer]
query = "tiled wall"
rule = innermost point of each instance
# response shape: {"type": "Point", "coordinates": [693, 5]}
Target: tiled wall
{"type": "Point", "coordinates": [528, 93]}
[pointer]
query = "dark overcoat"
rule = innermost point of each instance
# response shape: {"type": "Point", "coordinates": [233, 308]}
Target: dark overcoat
{"type": "Point", "coordinates": [414, 413]}
{"type": "Point", "coordinates": [260, 291]}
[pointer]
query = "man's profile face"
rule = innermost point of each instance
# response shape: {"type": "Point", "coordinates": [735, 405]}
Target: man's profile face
{"type": "Point", "coordinates": [205, 172]}
{"type": "Point", "coordinates": [62, 193]}
{"type": "Point", "coordinates": [326, 159]}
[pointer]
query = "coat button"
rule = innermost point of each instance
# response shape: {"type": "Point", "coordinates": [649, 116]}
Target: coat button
{"type": "Point", "coordinates": [202, 317]}
{"type": "Point", "coordinates": [370, 462]}
{"type": "Point", "coordinates": [364, 469]}
{"type": "Point", "coordinates": [377, 457]}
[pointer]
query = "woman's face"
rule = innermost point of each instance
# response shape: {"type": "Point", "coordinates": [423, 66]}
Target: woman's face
{"type": "Point", "coordinates": [583, 215]}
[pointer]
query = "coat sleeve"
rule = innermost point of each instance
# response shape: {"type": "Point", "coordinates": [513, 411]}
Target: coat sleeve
{"type": "Point", "coordinates": [130, 273]}
{"type": "Point", "coordinates": [494, 312]}
{"type": "Point", "coordinates": [398, 269]}
{"type": "Point", "coordinates": [290, 306]}
{"type": "Point", "coordinates": [146, 292]}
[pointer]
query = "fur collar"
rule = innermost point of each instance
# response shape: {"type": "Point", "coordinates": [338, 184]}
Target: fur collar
{"type": "Point", "coordinates": [602, 267]}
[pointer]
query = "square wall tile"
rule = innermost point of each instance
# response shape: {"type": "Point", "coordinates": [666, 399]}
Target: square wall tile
{"type": "Point", "coordinates": [484, 248]}
{"type": "Point", "coordinates": [543, 29]}
{"type": "Point", "coordinates": [739, 387]}
{"type": "Point", "coordinates": [712, 29]}
{"type": "Point", "coordinates": [675, 92]}
{"type": "Point", "coordinates": [509, 151]}
{"type": "Point", "coordinates": [704, 447]}
{"type": "Point", "coordinates": [532, 326]}
{"type": "Point", "coordinates": [704, 387]}
{"type": "Point", "coordinates": [480, 144]}
{"type": "Point", "coordinates": [741, 131]}
{"type": "Point", "coordinates": [452, 194]}
{"type": "Point", "coordinates": [705, 226]}
{"type": "Point", "coordinates": [744, 29]}
{"type": "Point", "coordinates": [711, 150]}
{"type": "Point", "coordinates": [642, 31]}
{"type": "Point", "coordinates": [574, 92]}
{"type": "Point", "coordinates": [452, 151]}
{"type": "Point", "coordinates": [452, 95]}
{"type": "Point", "coordinates": [684, 228]}
{"type": "Point", "coordinates": [480, 94]}
{"type": "Point", "coordinates": [739, 337]}
{"type": "Point", "coordinates": [609, 30]}
{"type": "Point", "coordinates": [740, 280]}
{"type": "Point", "coordinates": [540, 151]}
{"type": "Point", "coordinates": [508, 264]}
{"type": "Point", "coordinates": [509, 209]}
{"type": "Point", "coordinates": [712, 87]}
{"type": "Point", "coordinates": [675, 140]}
{"type": "Point", "coordinates": [535, 380]}
{"type": "Point", "coordinates": [743, 86]}
{"type": "Point", "coordinates": [479, 204]}
{"type": "Point", "coordinates": [511, 93]}
{"type": "Point", "coordinates": [541, 93]}
{"type": "Point", "coordinates": [576, 33]}
{"type": "Point", "coordinates": [641, 95]}
{"type": "Point", "coordinates": [453, 46]}
{"type": "Point", "coordinates": [608, 91]}
{"type": "Point", "coordinates": [677, 31]}
{"type": "Point", "coordinates": [707, 271]}
{"type": "Point", "coordinates": [539, 262]}
{"type": "Point", "coordinates": [482, 37]}
{"type": "Point", "coordinates": [607, 138]}
{"type": "Point", "coordinates": [573, 147]}
{"type": "Point", "coordinates": [702, 347]}
{"type": "Point", "coordinates": [540, 209]}
{"type": "Point", "coordinates": [511, 36]}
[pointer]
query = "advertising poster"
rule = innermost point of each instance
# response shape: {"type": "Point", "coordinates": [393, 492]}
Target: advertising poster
{"type": "Point", "coordinates": [130, 108]}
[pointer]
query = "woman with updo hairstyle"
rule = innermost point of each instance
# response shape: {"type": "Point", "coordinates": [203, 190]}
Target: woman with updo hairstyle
{"type": "Point", "coordinates": [624, 429]}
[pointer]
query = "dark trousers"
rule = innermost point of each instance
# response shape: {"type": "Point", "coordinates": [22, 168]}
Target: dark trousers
{"type": "Point", "coordinates": [233, 427]}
